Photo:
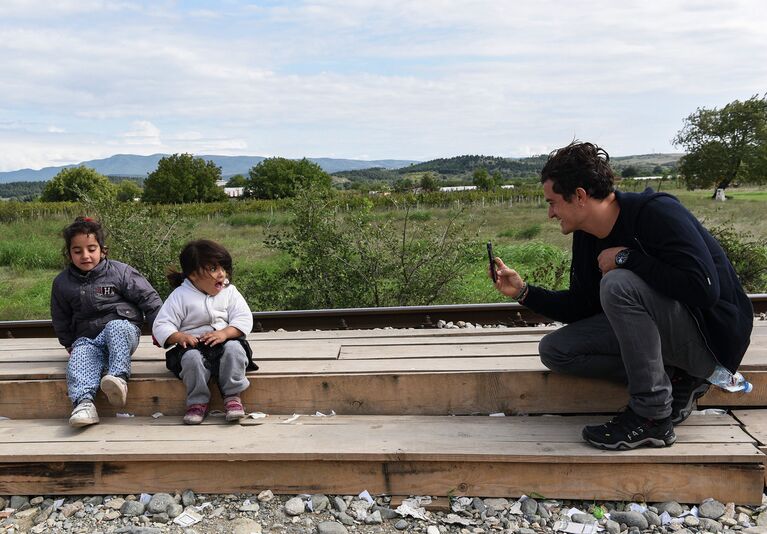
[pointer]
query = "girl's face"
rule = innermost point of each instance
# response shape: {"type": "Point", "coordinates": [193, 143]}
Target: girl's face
{"type": "Point", "coordinates": [211, 280]}
{"type": "Point", "coordinates": [85, 251]}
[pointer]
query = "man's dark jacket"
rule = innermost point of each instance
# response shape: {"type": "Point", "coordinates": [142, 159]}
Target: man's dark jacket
{"type": "Point", "coordinates": [674, 254]}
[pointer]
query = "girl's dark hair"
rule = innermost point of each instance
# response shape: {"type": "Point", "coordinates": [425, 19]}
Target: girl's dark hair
{"type": "Point", "coordinates": [83, 225]}
{"type": "Point", "coordinates": [579, 165]}
{"type": "Point", "coordinates": [196, 256]}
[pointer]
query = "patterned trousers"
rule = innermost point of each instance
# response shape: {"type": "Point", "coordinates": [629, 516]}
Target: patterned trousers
{"type": "Point", "coordinates": [109, 353]}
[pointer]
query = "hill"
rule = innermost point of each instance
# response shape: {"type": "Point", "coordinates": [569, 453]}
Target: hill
{"type": "Point", "coordinates": [131, 165]}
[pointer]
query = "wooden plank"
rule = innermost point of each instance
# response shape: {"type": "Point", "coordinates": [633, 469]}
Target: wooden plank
{"type": "Point", "coordinates": [451, 439]}
{"type": "Point", "coordinates": [294, 350]}
{"type": "Point", "coordinates": [639, 482]}
{"type": "Point", "coordinates": [447, 351]}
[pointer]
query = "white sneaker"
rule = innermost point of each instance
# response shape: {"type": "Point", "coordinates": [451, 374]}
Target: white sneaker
{"type": "Point", "coordinates": [116, 390]}
{"type": "Point", "coordinates": [84, 414]}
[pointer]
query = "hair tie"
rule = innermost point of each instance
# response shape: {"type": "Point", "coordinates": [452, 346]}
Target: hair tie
{"type": "Point", "coordinates": [87, 219]}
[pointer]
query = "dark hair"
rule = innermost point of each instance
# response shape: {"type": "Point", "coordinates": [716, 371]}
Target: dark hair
{"type": "Point", "coordinates": [86, 226]}
{"type": "Point", "coordinates": [196, 256]}
{"type": "Point", "coordinates": [579, 165]}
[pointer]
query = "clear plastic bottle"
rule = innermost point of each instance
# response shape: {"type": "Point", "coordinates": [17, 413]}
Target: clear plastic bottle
{"type": "Point", "coordinates": [724, 379]}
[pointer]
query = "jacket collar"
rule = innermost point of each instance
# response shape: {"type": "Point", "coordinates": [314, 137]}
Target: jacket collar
{"type": "Point", "coordinates": [97, 271]}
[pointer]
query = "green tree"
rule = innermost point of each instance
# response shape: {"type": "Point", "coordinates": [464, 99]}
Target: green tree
{"type": "Point", "coordinates": [630, 172]}
{"type": "Point", "coordinates": [429, 182]}
{"type": "Point", "coordinates": [284, 178]}
{"type": "Point", "coordinates": [725, 145]}
{"type": "Point", "coordinates": [238, 180]}
{"type": "Point", "coordinates": [183, 178]}
{"type": "Point", "coordinates": [403, 185]}
{"type": "Point", "coordinates": [482, 179]}
{"type": "Point", "coordinates": [128, 190]}
{"type": "Point", "coordinates": [73, 183]}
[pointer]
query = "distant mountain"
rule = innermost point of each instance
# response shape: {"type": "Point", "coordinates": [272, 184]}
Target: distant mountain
{"type": "Point", "coordinates": [140, 166]}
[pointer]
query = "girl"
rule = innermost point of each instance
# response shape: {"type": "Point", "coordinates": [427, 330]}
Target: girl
{"type": "Point", "coordinates": [207, 319]}
{"type": "Point", "coordinates": [98, 306]}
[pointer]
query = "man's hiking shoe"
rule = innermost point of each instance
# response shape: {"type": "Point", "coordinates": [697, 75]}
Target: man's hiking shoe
{"type": "Point", "coordinates": [195, 413]}
{"type": "Point", "coordinates": [686, 390]}
{"type": "Point", "coordinates": [234, 409]}
{"type": "Point", "coordinates": [116, 390]}
{"type": "Point", "coordinates": [627, 430]}
{"type": "Point", "coordinates": [84, 414]}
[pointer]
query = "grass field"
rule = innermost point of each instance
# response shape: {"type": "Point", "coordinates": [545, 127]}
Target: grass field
{"type": "Point", "coordinates": [30, 251]}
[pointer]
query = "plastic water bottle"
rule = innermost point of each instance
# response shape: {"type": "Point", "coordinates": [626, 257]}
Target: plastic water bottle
{"type": "Point", "coordinates": [724, 379]}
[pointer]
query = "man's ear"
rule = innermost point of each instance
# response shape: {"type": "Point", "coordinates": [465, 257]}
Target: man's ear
{"type": "Point", "coordinates": [581, 195]}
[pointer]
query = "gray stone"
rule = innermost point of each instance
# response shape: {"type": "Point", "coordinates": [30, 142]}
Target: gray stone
{"type": "Point", "coordinates": [320, 503]}
{"type": "Point", "coordinates": [583, 518]}
{"type": "Point", "coordinates": [339, 504]}
{"type": "Point", "coordinates": [115, 504]}
{"type": "Point", "coordinates": [249, 507]}
{"type": "Point", "coordinates": [498, 504]}
{"type": "Point", "coordinates": [159, 503]}
{"type": "Point", "coordinates": [243, 525]}
{"type": "Point", "coordinates": [174, 510]}
{"type": "Point", "coordinates": [754, 530]}
{"type": "Point", "coordinates": [188, 498]}
{"type": "Point", "coordinates": [761, 519]}
{"type": "Point", "coordinates": [3, 503]}
{"type": "Point", "coordinates": [544, 512]}
{"type": "Point", "coordinates": [28, 513]}
{"type": "Point", "coordinates": [162, 518]}
{"type": "Point", "coordinates": [345, 518]}
{"type": "Point", "coordinates": [401, 524]}
{"type": "Point", "coordinates": [432, 529]}
{"type": "Point", "coordinates": [529, 507]}
{"type": "Point", "coordinates": [295, 506]}
{"type": "Point", "coordinates": [34, 501]}
{"type": "Point", "coordinates": [691, 521]}
{"type": "Point", "coordinates": [44, 514]}
{"type": "Point", "coordinates": [612, 527]}
{"type": "Point", "coordinates": [138, 530]}
{"type": "Point", "coordinates": [71, 508]}
{"type": "Point", "coordinates": [711, 509]}
{"type": "Point", "coordinates": [386, 513]}
{"type": "Point", "coordinates": [653, 519]}
{"type": "Point", "coordinates": [630, 519]}
{"type": "Point", "coordinates": [331, 527]}
{"type": "Point", "coordinates": [96, 500]}
{"type": "Point", "coordinates": [19, 502]}
{"type": "Point", "coordinates": [132, 508]}
{"type": "Point", "coordinates": [673, 508]}
{"type": "Point", "coordinates": [710, 525]}
{"type": "Point", "coordinates": [359, 509]}
{"type": "Point", "coordinates": [526, 531]}
{"type": "Point", "coordinates": [265, 496]}
{"type": "Point", "coordinates": [111, 515]}
{"type": "Point", "coordinates": [478, 505]}
{"type": "Point", "coordinates": [374, 518]}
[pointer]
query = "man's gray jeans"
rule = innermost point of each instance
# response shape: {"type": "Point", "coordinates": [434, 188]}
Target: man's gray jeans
{"type": "Point", "coordinates": [641, 339]}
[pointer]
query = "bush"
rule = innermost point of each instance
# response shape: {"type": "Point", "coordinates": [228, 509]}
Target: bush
{"type": "Point", "coordinates": [526, 232]}
{"type": "Point", "coordinates": [747, 254]}
{"type": "Point", "coordinates": [540, 264]}
{"type": "Point", "coordinates": [248, 219]}
{"type": "Point", "coordinates": [354, 259]}
{"type": "Point", "coordinates": [30, 254]}
{"type": "Point", "coordinates": [147, 238]}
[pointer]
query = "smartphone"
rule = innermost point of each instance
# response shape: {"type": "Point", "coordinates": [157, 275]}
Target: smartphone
{"type": "Point", "coordinates": [490, 256]}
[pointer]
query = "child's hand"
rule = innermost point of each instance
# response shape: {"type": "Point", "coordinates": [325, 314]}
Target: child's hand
{"type": "Point", "coordinates": [185, 340]}
{"type": "Point", "coordinates": [214, 338]}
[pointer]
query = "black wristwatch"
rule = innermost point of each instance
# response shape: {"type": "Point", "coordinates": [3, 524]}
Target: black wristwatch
{"type": "Point", "coordinates": [622, 257]}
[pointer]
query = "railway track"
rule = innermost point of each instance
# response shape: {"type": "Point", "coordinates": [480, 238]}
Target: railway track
{"type": "Point", "coordinates": [510, 314]}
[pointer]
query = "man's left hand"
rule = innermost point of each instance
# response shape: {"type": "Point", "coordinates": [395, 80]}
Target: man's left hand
{"type": "Point", "coordinates": [606, 259]}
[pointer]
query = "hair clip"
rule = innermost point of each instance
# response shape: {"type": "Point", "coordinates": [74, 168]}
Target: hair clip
{"type": "Point", "coordinates": [87, 219]}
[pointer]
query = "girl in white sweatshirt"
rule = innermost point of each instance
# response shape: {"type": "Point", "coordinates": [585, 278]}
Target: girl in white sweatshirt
{"type": "Point", "coordinates": [207, 319]}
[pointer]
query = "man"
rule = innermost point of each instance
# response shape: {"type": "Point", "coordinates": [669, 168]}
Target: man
{"type": "Point", "coordinates": [653, 300]}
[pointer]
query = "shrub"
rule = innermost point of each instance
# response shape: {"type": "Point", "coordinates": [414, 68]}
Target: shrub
{"type": "Point", "coordinates": [526, 232]}
{"type": "Point", "coordinates": [747, 254]}
{"type": "Point", "coordinates": [354, 259]}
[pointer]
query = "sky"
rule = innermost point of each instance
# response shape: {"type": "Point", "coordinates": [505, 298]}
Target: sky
{"type": "Point", "coordinates": [365, 79]}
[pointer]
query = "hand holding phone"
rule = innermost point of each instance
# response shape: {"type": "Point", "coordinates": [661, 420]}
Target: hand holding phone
{"type": "Point", "coordinates": [491, 257]}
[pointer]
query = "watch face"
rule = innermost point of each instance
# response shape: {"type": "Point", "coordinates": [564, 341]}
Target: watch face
{"type": "Point", "coordinates": [621, 257]}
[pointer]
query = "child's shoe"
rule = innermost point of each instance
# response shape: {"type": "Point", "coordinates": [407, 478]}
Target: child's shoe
{"type": "Point", "coordinates": [116, 390]}
{"type": "Point", "coordinates": [233, 407]}
{"type": "Point", "coordinates": [84, 414]}
{"type": "Point", "coordinates": [195, 413]}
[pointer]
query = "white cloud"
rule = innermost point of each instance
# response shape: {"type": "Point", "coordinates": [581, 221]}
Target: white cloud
{"type": "Point", "coordinates": [397, 79]}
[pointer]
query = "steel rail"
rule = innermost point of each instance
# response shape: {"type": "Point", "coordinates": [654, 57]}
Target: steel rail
{"type": "Point", "coordinates": [510, 314]}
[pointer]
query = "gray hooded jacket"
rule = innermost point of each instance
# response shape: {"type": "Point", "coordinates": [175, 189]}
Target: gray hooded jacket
{"type": "Point", "coordinates": [82, 303]}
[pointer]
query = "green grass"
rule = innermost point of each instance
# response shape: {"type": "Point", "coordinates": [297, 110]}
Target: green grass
{"type": "Point", "coordinates": [521, 234]}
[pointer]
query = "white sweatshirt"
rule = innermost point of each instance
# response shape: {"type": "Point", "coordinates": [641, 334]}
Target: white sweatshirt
{"type": "Point", "coordinates": [191, 311]}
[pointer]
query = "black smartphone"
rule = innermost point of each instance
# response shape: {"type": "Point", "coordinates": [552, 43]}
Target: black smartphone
{"type": "Point", "coordinates": [492, 261]}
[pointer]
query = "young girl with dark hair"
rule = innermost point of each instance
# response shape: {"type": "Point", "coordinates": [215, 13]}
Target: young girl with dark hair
{"type": "Point", "coordinates": [98, 306]}
{"type": "Point", "coordinates": [207, 319]}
